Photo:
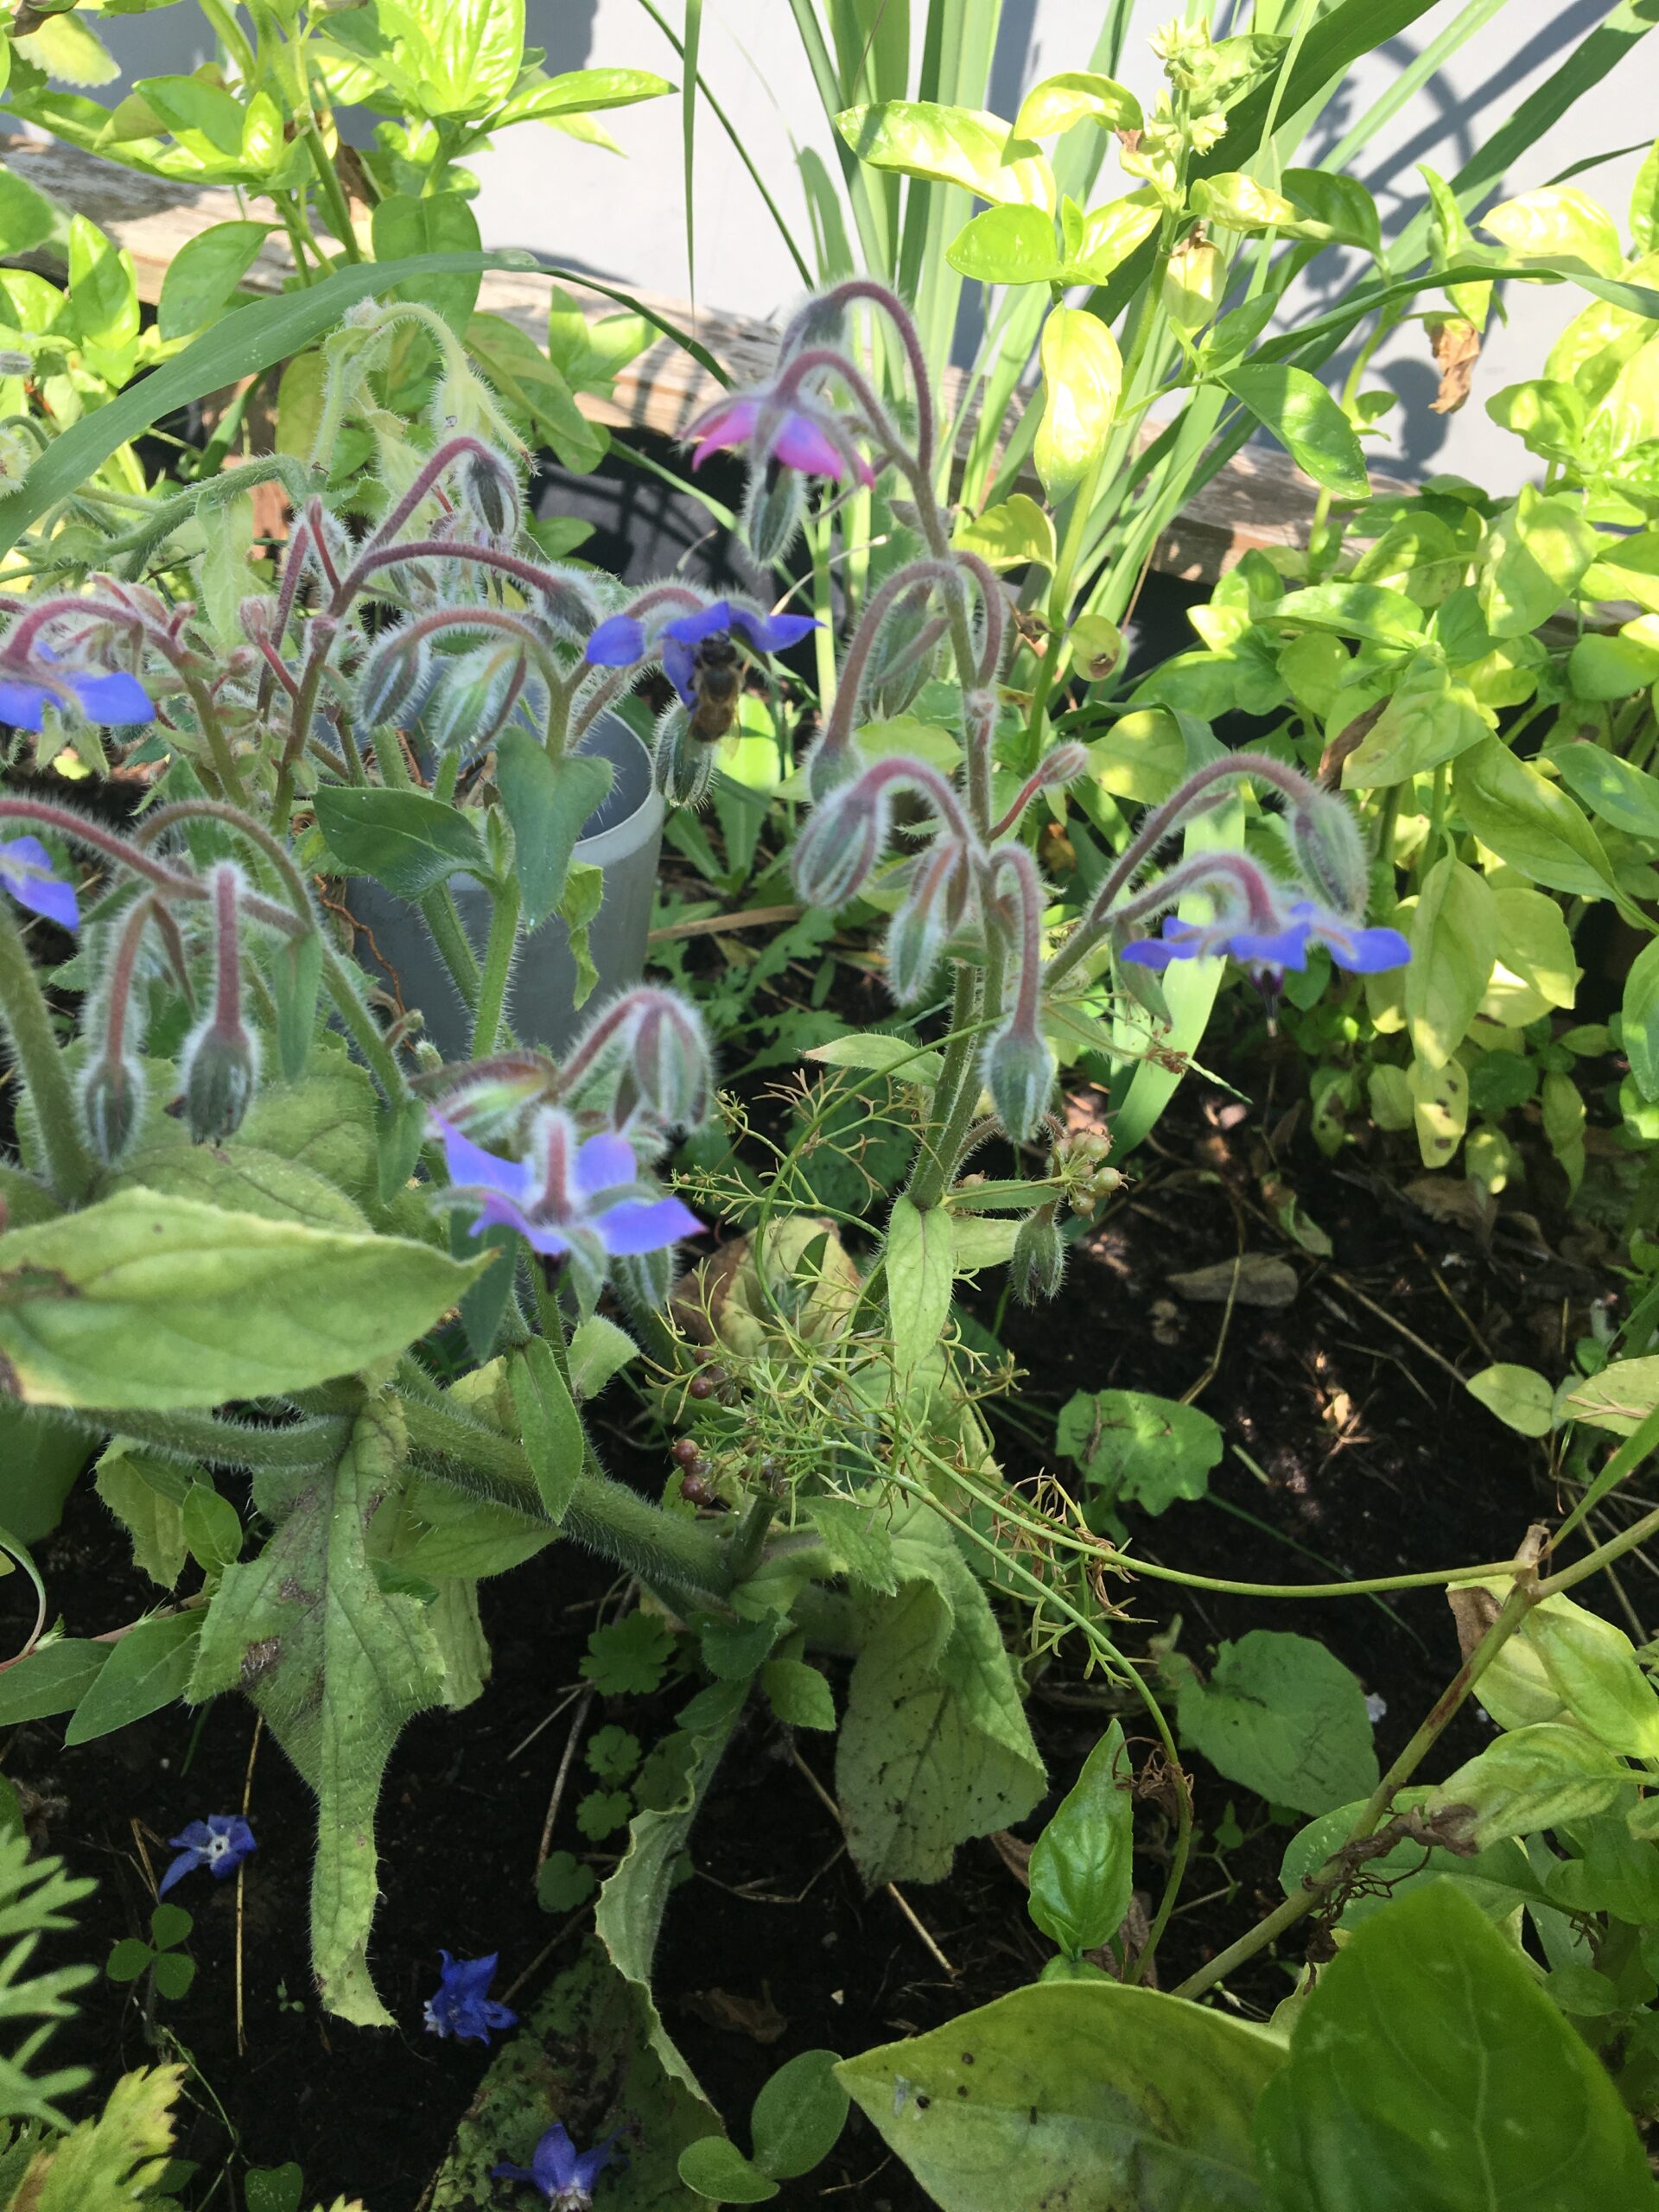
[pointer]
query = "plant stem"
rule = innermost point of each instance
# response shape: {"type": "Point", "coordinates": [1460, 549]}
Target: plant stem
{"type": "Point", "coordinates": [340, 212]}
{"type": "Point", "coordinates": [605, 1515]}
{"type": "Point", "coordinates": [498, 966]}
{"type": "Point", "coordinates": [930, 1174]}
{"type": "Point", "coordinates": [744, 1545]}
{"type": "Point", "coordinates": [454, 948]}
{"type": "Point", "coordinates": [301, 1445]}
{"type": "Point", "coordinates": [35, 1052]}
{"type": "Point", "coordinates": [365, 1030]}
{"type": "Point", "coordinates": [1515, 1607]}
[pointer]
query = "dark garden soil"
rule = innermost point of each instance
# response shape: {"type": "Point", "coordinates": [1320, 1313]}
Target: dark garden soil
{"type": "Point", "coordinates": [1364, 1456]}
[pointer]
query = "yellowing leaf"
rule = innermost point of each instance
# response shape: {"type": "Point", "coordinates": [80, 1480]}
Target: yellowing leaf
{"type": "Point", "coordinates": [1083, 378]}
{"type": "Point", "coordinates": [1558, 223]}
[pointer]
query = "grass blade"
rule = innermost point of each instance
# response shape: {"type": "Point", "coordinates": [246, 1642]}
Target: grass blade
{"type": "Point", "coordinates": [689, 46]}
{"type": "Point", "coordinates": [730, 129]}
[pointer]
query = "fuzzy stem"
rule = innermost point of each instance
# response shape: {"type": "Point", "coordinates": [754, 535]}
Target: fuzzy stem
{"type": "Point", "coordinates": [898, 315]}
{"type": "Point", "coordinates": [498, 966]}
{"type": "Point", "coordinates": [605, 1515]}
{"type": "Point", "coordinates": [879, 610]}
{"type": "Point", "coordinates": [35, 1056]}
{"type": "Point", "coordinates": [189, 1435]}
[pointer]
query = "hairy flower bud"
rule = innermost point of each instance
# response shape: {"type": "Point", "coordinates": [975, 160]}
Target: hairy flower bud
{"type": "Point", "coordinates": [682, 766]}
{"type": "Point", "coordinates": [905, 656]}
{"type": "Point", "coordinates": [669, 1060]}
{"type": "Point", "coordinates": [1039, 1263]}
{"type": "Point", "coordinates": [220, 1065]}
{"type": "Point", "coordinates": [917, 934]}
{"type": "Point", "coordinates": [394, 682]}
{"type": "Point", "coordinates": [471, 696]}
{"type": "Point", "coordinates": [830, 767]}
{"type": "Point", "coordinates": [836, 853]}
{"type": "Point", "coordinates": [112, 1102]}
{"type": "Point", "coordinates": [488, 485]}
{"type": "Point", "coordinates": [773, 508]}
{"type": "Point", "coordinates": [221, 1073]}
{"type": "Point", "coordinates": [1328, 849]}
{"type": "Point", "coordinates": [1018, 1072]}
{"type": "Point", "coordinates": [642, 1280]}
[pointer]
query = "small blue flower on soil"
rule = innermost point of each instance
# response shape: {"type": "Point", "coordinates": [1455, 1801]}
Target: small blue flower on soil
{"type": "Point", "coordinates": [462, 2005]}
{"type": "Point", "coordinates": [621, 641]}
{"type": "Point", "coordinates": [27, 872]}
{"type": "Point", "coordinates": [114, 698]}
{"type": "Point", "coordinates": [564, 2175]}
{"type": "Point", "coordinates": [221, 1843]}
{"type": "Point", "coordinates": [1258, 946]}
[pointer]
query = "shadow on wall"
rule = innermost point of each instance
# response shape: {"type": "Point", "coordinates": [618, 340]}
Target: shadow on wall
{"type": "Point", "coordinates": [564, 27]}
{"type": "Point", "coordinates": [1456, 126]}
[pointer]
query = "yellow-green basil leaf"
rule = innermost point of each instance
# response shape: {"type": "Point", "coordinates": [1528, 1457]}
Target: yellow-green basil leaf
{"type": "Point", "coordinates": [1528, 821]}
{"type": "Point", "coordinates": [1082, 379]}
{"type": "Point", "coordinates": [1301, 414]}
{"type": "Point", "coordinates": [1454, 934]}
{"type": "Point", "coordinates": [1535, 558]}
{"type": "Point", "coordinates": [1440, 1103]}
{"type": "Point", "coordinates": [1006, 245]}
{"type": "Point", "coordinates": [1558, 224]}
{"type": "Point", "coordinates": [1077, 96]}
{"type": "Point", "coordinates": [950, 145]}
{"type": "Point", "coordinates": [1109, 235]}
{"type": "Point", "coordinates": [1429, 718]}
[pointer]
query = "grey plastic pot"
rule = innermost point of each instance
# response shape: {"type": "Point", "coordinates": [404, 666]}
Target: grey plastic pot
{"type": "Point", "coordinates": [623, 836]}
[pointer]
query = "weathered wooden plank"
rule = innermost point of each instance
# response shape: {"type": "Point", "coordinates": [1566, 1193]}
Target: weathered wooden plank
{"type": "Point", "coordinates": [1258, 499]}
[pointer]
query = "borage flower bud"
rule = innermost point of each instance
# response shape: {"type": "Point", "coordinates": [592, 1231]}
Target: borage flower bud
{"type": "Point", "coordinates": [775, 507]}
{"type": "Point", "coordinates": [489, 486]}
{"type": "Point", "coordinates": [1018, 1072]}
{"type": "Point", "coordinates": [221, 1057]}
{"type": "Point", "coordinates": [669, 1060]}
{"type": "Point", "coordinates": [642, 1280]}
{"type": "Point", "coordinates": [221, 1073]}
{"type": "Point", "coordinates": [1038, 1264]}
{"type": "Point", "coordinates": [112, 1102]}
{"type": "Point", "coordinates": [905, 656]}
{"type": "Point", "coordinates": [916, 935]}
{"type": "Point", "coordinates": [831, 767]}
{"type": "Point", "coordinates": [836, 853]}
{"type": "Point", "coordinates": [682, 765]}
{"type": "Point", "coordinates": [394, 682]}
{"type": "Point", "coordinates": [471, 696]}
{"type": "Point", "coordinates": [1328, 849]}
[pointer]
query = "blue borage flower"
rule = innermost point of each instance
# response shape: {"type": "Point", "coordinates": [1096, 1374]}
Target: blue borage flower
{"type": "Point", "coordinates": [461, 2004]}
{"type": "Point", "coordinates": [1263, 945]}
{"type": "Point", "coordinates": [621, 641]}
{"type": "Point", "coordinates": [100, 698]}
{"type": "Point", "coordinates": [221, 1843]}
{"type": "Point", "coordinates": [27, 871]}
{"type": "Point", "coordinates": [564, 2175]}
{"type": "Point", "coordinates": [567, 1190]}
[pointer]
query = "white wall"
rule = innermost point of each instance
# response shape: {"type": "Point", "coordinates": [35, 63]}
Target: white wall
{"type": "Point", "coordinates": [626, 220]}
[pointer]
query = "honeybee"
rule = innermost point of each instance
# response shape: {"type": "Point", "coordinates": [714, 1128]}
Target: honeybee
{"type": "Point", "coordinates": [716, 686]}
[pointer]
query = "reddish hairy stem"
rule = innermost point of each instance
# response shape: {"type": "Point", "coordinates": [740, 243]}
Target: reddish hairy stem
{"type": "Point", "coordinates": [880, 295]}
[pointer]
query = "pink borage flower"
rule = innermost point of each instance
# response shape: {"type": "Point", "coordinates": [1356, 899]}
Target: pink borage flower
{"type": "Point", "coordinates": [793, 432]}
